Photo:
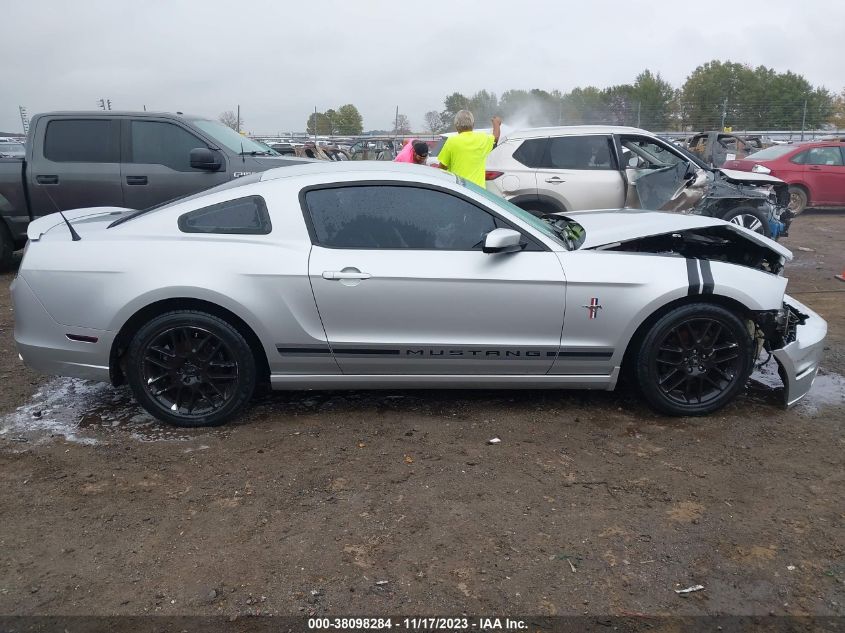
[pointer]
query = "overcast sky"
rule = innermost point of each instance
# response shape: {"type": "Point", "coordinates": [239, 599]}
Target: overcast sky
{"type": "Point", "coordinates": [280, 58]}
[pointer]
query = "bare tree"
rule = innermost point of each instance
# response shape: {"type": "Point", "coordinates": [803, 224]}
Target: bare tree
{"type": "Point", "coordinates": [230, 119]}
{"type": "Point", "coordinates": [433, 121]}
{"type": "Point", "coordinates": [402, 125]}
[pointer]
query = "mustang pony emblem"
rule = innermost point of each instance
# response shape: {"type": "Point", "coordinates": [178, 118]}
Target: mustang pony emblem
{"type": "Point", "coordinates": [594, 306]}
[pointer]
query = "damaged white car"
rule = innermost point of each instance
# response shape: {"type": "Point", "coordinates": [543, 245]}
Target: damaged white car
{"type": "Point", "coordinates": [383, 275]}
{"type": "Point", "coordinates": [550, 170]}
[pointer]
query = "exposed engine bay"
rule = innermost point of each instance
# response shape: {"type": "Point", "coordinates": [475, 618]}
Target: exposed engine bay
{"type": "Point", "coordinates": [715, 243]}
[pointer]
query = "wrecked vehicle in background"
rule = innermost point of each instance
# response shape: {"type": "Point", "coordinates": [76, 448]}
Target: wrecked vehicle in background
{"type": "Point", "coordinates": [716, 148]}
{"type": "Point", "coordinates": [376, 148]}
{"type": "Point", "coordinates": [311, 150]}
{"type": "Point", "coordinates": [577, 168]}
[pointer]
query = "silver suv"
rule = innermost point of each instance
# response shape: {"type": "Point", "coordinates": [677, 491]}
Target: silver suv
{"type": "Point", "coordinates": [557, 169]}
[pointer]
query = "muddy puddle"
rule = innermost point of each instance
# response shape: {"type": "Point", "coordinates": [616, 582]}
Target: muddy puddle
{"type": "Point", "coordinates": [84, 412]}
{"type": "Point", "coordinates": [90, 413]}
{"type": "Point", "coordinates": [828, 390]}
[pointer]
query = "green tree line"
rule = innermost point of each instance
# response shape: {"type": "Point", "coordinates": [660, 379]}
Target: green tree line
{"type": "Point", "coordinates": [346, 120]}
{"type": "Point", "coordinates": [740, 96]}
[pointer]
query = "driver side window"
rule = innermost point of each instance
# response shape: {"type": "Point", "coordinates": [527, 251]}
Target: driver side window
{"type": "Point", "coordinates": [641, 153]}
{"type": "Point", "coordinates": [395, 217]}
{"type": "Point", "coordinates": [160, 143]}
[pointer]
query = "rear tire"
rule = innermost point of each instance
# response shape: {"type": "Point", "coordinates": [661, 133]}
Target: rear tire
{"type": "Point", "coordinates": [191, 369]}
{"type": "Point", "coordinates": [750, 218]}
{"type": "Point", "coordinates": [7, 248]}
{"type": "Point", "coordinates": [797, 200]}
{"type": "Point", "coordinates": [694, 360]}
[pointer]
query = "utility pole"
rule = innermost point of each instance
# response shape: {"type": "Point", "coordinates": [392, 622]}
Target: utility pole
{"type": "Point", "coordinates": [315, 125]}
{"type": "Point", "coordinates": [24, 119]}
{"type": "Point", "coordinates": [396, 123]}
{"type": "Point", "coordinates": [804, 119]}
{"type": "Point", "coordinates": [724, 112]}
{"type": "Point", "coordinates": [239, 118]}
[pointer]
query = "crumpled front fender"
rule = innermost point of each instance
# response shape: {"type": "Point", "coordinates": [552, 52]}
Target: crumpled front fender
{"type": "Point", "coordinates": [799, 360]}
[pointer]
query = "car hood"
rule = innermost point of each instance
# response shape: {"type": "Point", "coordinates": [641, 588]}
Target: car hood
{"type": "Point", "coordinates": [616, 226]}
{"type": "Point", "coordinates": [748, 177]}
{"type": "Point", "coordinates": [269, 162]}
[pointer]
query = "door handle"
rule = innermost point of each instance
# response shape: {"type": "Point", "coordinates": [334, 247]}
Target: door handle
{"type": "Point", "coordinates": [47, 180]}
{"type": "Point", "coordinates": [337, 274]}
{"type": "Point", "coordinates": [554, 180]}
{"type": "Point", "coordinates": [815, 168]}
{"type": "Point", "coordinates": [136, 180]}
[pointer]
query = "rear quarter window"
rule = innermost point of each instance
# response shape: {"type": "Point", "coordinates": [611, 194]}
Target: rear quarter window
{"type": "Point", "coordinates": [530, 153]}
{"type": "Point", "coordinates": [242, 216]}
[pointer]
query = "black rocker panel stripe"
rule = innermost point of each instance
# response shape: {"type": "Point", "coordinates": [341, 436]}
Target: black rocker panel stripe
{"type": "Point", "coordinates": [473, 353]}
{"type": "Point", "coordinates": [302, 351]}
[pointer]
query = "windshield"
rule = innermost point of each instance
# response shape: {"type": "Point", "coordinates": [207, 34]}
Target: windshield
{"type": "Point", "coordinates": [557, 229]}
{"type": "Point", "coordinates": [434, 147]}
{"type": "Point", "coordinates": [231, 140]}
{"type": "Point", "coordinates": [775, 151]}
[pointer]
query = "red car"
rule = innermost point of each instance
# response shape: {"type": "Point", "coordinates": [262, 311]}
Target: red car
{"type": "Point", "coordinates": [815, 172]}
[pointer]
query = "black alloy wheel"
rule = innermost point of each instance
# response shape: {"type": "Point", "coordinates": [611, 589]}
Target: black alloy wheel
{"type": "Point", "coordinates": [694, 360]}
{"type": "Point", "coordinates": [191, 369]}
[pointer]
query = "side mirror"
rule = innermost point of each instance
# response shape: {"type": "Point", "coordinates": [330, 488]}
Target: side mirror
{"type": "Point", "coordinates": [205, 159]}
{"type": "Point", "coordinates": [503, 241]}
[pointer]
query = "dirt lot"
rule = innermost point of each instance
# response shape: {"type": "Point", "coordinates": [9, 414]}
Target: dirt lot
{"type": "Point", "coordinates": [394, 502]}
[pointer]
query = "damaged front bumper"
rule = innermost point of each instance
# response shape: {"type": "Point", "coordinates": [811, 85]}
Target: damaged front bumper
{"type": "Point", "coordinates": [798, 360]}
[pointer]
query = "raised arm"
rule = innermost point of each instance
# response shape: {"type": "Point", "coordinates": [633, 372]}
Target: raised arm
{"type": "Point", "coordinates": [497, 128]}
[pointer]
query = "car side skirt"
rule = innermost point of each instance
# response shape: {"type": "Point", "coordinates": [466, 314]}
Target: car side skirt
{"type": "Point", "coordinates": [444, 381]}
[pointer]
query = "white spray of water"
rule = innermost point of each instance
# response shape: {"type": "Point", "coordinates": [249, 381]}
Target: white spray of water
{"type": "Point", "coordinates": [83, 412]}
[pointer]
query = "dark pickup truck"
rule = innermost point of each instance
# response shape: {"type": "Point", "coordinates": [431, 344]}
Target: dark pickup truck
{"type": "Point", "coordinates": [121, 159]}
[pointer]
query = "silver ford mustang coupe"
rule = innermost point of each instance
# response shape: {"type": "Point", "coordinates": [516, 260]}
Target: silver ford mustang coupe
{"type": "Point", "coordinates": [359, 275]}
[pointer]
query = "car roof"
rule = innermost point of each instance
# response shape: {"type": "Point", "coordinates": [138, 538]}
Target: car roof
{"type": "Point", "coordinates": [372, 168]}
{"type": "Point", "coordinates": [574, 130]}
{"type": "Point", "coordinates": [121, 113]}
{"type": "Point", "coordinates": [828, 143]}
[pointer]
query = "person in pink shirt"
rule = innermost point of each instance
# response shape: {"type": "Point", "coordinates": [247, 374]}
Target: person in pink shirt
{"type": "Point", "coordinates": [413, 152]}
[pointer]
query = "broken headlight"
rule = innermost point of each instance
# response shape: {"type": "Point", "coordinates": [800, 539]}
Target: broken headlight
{"type": "Point", "coordinates": [779, 327]}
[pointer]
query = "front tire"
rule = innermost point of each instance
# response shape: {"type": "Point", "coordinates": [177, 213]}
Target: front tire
{"type": "Point", "coordinates": [191, 369]}
{"type": "Point", "coordinates": [694, 360]}
{"type": "Point", "coordinates": [797, 200]}
{"type": "Point", "coordinates": [751, 218]}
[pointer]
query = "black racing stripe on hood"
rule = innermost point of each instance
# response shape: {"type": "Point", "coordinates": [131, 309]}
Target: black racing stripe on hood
{"type": "Point", "coordinates": [707, 277]}
{"type": "Point", "coordinates": [693, 278]}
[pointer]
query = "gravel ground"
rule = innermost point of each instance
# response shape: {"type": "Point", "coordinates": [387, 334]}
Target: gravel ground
{"type": "Point", "coordinates": [394, 502]}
